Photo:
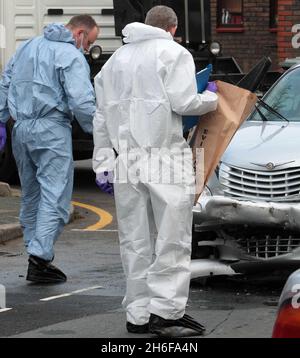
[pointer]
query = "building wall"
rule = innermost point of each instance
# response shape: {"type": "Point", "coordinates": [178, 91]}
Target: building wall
{"type": "Point", "coordinates": [252, 42]}
{"type": "Point", "coordinates": [289, 15]}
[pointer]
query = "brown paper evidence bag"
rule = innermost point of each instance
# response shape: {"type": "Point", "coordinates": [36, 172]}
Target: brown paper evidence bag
{"type": "Point", "coordinates": [216, 129]}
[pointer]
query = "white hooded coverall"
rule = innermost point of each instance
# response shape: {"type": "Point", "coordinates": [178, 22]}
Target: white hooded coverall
{"type": "Point", "coordinates": [142, 92]}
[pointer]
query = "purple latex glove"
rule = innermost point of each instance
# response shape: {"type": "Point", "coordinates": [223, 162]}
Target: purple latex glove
{"type": "Point", "coordinates": [212, 87]}
{"type": "Point", "coordinates": [104, 182]}
{"type": "Point", "coordinates": [2, 136]}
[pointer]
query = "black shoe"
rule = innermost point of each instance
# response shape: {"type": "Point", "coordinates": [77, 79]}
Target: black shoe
{"type": "Point", "coordinates": [135, 328]}
{"type": "Point", "coordinates": [183, 327]}
{"type": "Point", "coordinates": [43, 271]}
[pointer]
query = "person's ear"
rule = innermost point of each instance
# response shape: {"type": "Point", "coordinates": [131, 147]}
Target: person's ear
{"type": "Point", "coordinates": [77, 36]}
{"type": "Point", "coordinates": [81, 32]}
{"type": "Point", "coordinates": [172, 30]}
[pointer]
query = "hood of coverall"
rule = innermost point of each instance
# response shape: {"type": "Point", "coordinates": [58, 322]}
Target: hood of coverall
{"type": "Point", "coordinates": [136, 32]}
{"type": "Point", "coordinates": [59, 33]}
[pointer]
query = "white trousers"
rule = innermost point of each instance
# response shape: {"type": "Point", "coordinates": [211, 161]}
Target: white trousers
{"type": "Point", "coordinates": [155, 224]}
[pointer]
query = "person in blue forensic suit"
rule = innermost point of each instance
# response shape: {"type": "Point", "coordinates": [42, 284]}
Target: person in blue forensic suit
{"type": "Point", "coordinates": [44, 85]}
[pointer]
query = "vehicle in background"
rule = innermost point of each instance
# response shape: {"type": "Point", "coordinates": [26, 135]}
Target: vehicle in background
{"type": "Point", "coordinates": [248, 217]}
{"type": "Point", "coordinates": [287, 324]}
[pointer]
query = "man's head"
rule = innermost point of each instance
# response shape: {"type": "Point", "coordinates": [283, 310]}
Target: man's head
{"type": "Point", "coordinates": [163, 17]}
{"type": "Point", "coordinates": [85, 30]}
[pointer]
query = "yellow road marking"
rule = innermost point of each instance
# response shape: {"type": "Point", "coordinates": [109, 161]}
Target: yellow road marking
{"type": "Point", "coordinates": [105, 217]}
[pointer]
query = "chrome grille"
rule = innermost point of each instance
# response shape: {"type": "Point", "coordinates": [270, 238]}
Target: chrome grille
{"type": "Point", "coordinates": [269, 245]}
{"type": "Point", "coordinates": [272, 185]}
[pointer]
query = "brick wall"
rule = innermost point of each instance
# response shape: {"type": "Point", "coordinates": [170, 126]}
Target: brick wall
{"type": "Point", "coordinates": [256, 40]}
{"type": "Point", "coordinates": [289, 15]}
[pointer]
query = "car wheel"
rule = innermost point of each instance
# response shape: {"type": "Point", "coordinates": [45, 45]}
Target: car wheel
{"type": "Point", "coordinates": [8, 169]}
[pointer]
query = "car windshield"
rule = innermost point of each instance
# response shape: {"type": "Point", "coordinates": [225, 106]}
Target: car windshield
{"type": "Point", "coordinates": [284, 98]}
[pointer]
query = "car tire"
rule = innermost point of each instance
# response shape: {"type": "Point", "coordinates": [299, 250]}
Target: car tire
{"type": "Point", "coordinates": [8, 168]}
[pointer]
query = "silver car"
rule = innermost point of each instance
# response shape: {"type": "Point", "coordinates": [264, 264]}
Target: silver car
{"type": "Point", "coordinates": [248, 217]}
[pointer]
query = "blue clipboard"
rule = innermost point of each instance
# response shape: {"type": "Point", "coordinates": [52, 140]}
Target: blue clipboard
{"type": "Point", "coordinates": [202, 78]}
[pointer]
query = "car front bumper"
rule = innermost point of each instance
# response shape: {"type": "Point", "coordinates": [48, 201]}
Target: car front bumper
{"type": "Point", "coordinates": [219, 210]}
{"type": "Point", "coordinates": [213, 267]}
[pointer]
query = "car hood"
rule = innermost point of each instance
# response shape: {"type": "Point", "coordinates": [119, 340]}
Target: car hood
{"type": "Point", "coordinates": [256, 144]}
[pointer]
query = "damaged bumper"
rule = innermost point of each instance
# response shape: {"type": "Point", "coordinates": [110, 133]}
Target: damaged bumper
{"type": "Point", "coordinates": [243, 265]}
{"type": "Point", "coordinates": [208, 268]}
{"type": "Point", "coordinates": [250, 236]}
{"type": "Point", "coordinates": [219, 210]}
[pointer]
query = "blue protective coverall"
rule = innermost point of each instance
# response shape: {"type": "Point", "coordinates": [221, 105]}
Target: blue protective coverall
{"type": "Point", "coordinates": [45, 83]}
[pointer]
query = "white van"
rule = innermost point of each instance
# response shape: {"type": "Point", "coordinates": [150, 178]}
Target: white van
{"type": "Point", "coordinates": [23, 19]}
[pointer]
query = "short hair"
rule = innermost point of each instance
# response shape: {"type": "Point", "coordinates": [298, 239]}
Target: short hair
{"type": "Point", "coordinates": [161, 16]}
{"type": "Point", "coordinates": [85, 21]}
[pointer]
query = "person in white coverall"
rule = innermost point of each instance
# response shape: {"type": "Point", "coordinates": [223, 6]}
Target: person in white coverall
{"type": "Point", "coordinates": [142, 93]}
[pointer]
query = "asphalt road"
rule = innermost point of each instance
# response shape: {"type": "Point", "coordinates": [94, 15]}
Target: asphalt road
{"type": "Point", "coordinates": [89, 304]}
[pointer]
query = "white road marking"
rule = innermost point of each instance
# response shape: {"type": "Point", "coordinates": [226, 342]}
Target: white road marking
{"type": "Point", "coordinates": [5, 310]}
{"type": "Point", "coordinates": [80, 230]}
{"type": "Point", "coordinates": [70, 294]}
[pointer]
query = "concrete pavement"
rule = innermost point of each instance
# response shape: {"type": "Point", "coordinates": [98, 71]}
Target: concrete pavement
{"type": "Point", "coordinates": [234, 323]}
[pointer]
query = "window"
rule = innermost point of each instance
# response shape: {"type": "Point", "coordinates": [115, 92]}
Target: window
{"type": "Point", "coordinates": [230, 13]}
{"type": "Point", "coordinates": [284, 98]}
{"type": "Point", "coordinates": [273, 14]}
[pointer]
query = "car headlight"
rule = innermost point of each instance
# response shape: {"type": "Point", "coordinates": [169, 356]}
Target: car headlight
{"type": "Point", "coordinates": [96, 52]}
{"type": "Point", "coordinates": [206, 193]}
{"type": "Point", "coordinates": [224, 174]}
{"type": "Point", "coordinates": [215, 48]}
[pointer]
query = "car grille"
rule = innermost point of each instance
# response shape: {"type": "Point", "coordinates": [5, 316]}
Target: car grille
{"type": "Point", "coordinates": [275, 185]}
{"type": "Point", "coordinates": [269, 245]}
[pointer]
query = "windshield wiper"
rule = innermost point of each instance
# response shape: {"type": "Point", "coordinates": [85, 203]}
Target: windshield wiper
{"type": "Point", "coordinates": [263, 117]}
{"type": "Point", "coordinates": [270, 109]}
